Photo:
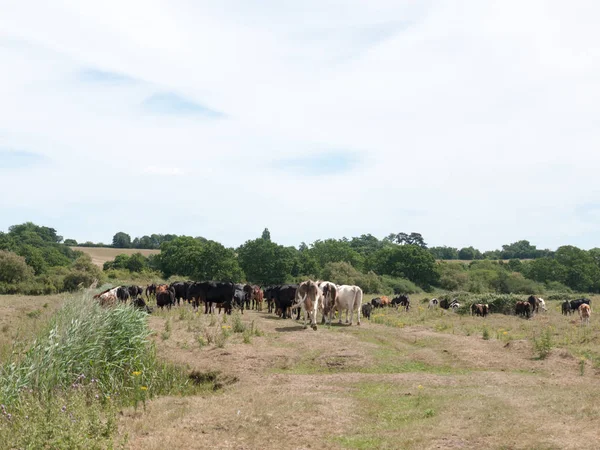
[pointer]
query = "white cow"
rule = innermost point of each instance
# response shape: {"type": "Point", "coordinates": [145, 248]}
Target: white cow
{"type": "Point", "coordinates": [433, 303]}
{"type": "Point", "coordinates": [307, 298]}
{"type": "Point", "coordinates": [327, 300]}
{"type": "Point", "coordinates": [542, 304]}
{"type": "Point", "coordinates": [108, 297]}
{"type": "Point", "coordinates": [349, 298]}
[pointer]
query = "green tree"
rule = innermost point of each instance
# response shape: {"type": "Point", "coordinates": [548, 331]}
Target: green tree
{"type": "Point", "coordinates": [265, 262]}
{"type": "Point", "coordinates": [582, 273]}
{"type": "Point", "coordinates": [137, 263]}
{"type": "Point", "coordinates": [121, 240]}
{"type": "Point", "coordinates": [366, 244]}
{"type": "Point", "coordinates": [71, 242]}
{"type": "Point", "coordinates": [519, 250]}
{"type": "Point", "coordinates": [13, 268]}
{"type": "Point", "coordinates": [199, 260]}
{"type": "Point", "coordinates": [266, 234]}
{"type": "Point", "coordinates": [410, 239]}
{"type": "Point", "coordinates": [25, 233]}
{"type": "Point", "coordinates": [469, 253]}
{"type": "Point", "coordinates": [333, 250]}
{"type": "Point", "coordinates": [407, 261]}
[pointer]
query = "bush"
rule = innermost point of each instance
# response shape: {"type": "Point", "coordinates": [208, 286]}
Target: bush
{"type": "Point", "coordinates": [13, 268]}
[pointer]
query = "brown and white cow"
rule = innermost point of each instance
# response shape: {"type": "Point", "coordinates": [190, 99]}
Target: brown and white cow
{"type": "Point", "coordinates": [327, 300]}
{"type": "Point", "coordinates": [349, 299]}
{"type": "Point", "coordinates": [257, 297]}
{"type": "Point", "coordinates": [584, 314]}
{"type": "Point", "coordinates": [307, 298]}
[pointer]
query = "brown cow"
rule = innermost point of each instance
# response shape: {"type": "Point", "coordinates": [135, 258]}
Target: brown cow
{"type": "Point", "coordinates": [257, 297]}
{"type": "Point", "coordinates": [584, 314]}
{"type": "Point", "coordinates": [523, 309]}
{"type": "Point", "coordinates": [385, 301]}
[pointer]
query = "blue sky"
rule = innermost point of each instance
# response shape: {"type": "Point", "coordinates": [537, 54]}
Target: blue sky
{"type": "Point", "coordinates": [473, 125]}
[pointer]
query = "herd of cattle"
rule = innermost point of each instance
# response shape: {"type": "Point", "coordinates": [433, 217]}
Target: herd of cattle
{"type": "Point", "coordinates": [308, 297]}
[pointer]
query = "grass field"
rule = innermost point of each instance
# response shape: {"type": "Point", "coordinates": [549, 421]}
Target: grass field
{"type": "Point", "coordinates": [102, 254]}
{"type": "Point", "coordinates": [425, 379]}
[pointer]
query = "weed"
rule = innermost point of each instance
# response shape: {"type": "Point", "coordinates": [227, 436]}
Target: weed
{"type": "Point", "coordinates": [35, 314]}
{"type": "Point", "coordinates": [429, 412]}
{"type": "Point", "coordinates": [168, 325]}
{"type": "Point", "coordinates": [543, 345]}
{"type": "Point", "coordinates": [247, 337]}
{"type": "Point", "coordinates": [213, 320]}
{"type": "Point", "coordinates": [486, 334]}
{"type": "Point", "coordinates": [5, 328]}
{"type": "Point", "coordinates": [200, 340]}
{"type": "Point", "coordinates": [581, 366]}
{"type": "Point", "coordinates": [255, 330]}
{"type": "Point", "coordinates": [238, 325]}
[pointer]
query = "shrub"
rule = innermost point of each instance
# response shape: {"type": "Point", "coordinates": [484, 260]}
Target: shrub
{"type": "Point", "coordinates": [13, 268]}
{"type": "Point", "coordinates": [543, 345]}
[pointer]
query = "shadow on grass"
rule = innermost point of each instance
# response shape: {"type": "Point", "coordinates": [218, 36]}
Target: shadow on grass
{"type": "Point", "coordinates": [289, 329]}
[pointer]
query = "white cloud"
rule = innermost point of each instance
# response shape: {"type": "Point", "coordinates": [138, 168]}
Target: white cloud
{"type": "Point", "coordinates": [475, 121]}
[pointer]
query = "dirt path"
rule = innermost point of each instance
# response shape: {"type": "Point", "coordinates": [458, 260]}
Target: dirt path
{"type": "Point", "coordinates": [371, 386]}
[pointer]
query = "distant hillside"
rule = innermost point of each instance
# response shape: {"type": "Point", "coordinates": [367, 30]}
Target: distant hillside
{"type": "Point", "coordinates": [102, 254]}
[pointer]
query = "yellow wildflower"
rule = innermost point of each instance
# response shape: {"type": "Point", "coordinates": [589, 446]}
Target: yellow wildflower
{"type": "Point", "coordinates": [144, 388]}
{"type": "Point", "coordinates": [137, 373]}
{"type": "Point", "coordinates": [506, 332]}
{"type": "Point", "coordinates": [420, 387]}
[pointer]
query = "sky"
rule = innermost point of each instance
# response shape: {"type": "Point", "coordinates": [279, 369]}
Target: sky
{"type": "Point", "coordinates": [472, 123]}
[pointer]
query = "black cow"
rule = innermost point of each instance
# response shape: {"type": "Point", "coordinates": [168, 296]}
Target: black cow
{"type": "Point", "coordinates": [240, 297]}
{"type": "Point", "coordinates": [212, 293]}
{"type": "Point", "coordinates": [150, 290]}
{"type": "Point", "coordinates": [377, 303]}
{"type": "Point", "coordinates": [285, 296]}
{"type": "Point", "coordinates": [248, 291]}
{"type": "Point", "coordinates": [165, 298]}
{"type": "Point", "coordinates": [135, 291]}
{"type": "Point", "coordinates": [140, 304]}
{"type": "Point", "coordinates": [270, 298]}
{"type": "Point", "coordinates": [535, 303]}
{"type": "Point", "coordinates": [123, 293]}
{"type": "Point", "coordinates": [566, 307]}
{"type": "Point", "coordinates": [401, 300]}
{"type": "Point", "coordinates": [575, 304]}
{"type": "Point", "coordinates": [180, 288]}
{"type": "Point", "coordinates": [366, 310]}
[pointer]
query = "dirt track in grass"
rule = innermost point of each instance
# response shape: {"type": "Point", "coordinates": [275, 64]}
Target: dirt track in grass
{"type": "Point", "coordinates": [372, 386]}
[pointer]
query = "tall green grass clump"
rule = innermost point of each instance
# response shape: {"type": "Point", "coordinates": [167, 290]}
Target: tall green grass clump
{"type": "Point", "coordinates": [85, 361]}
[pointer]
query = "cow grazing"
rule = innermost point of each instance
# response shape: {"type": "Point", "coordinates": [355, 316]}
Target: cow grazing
{"type": "Point", "coordinates": [566, 308]}
{"type": "Point", "coordinates": [433, 303]}
{"type": "Point", "coordinates": [328, 297]}
{"type": "Point", "coordinates": [135, 291]}
{"type": "Point", "coordinates": [385, 301]}
{"type": "Point", "coordinates": [575, 304]}
{"type": "Point", "coordinates": [349, 298]}
{"type": "Point", "coordinates": [401, 300]}
{"type": "Point", "coordinates": [447, 304]}
{"type": "Point", "coordinates": [165, 297]}
{"type": "Point", "coordinates": [366, 310]}
{"type": "Point", "coordinates": [523, 309]}
{"type": "Point", "coordinates": [585, 313]}
{"type": "Point", "coordinates": [480, 309]}
{"type": "Point", "coordinates": [140, 304]}
{"type": "Point", "coordinates": [376, 302]}
{"type": "Point", "coordinates": [307, 298]}
{"type": "Point", "coordinates": [107, 297]}
{"type": "Point", "coordinates": [542, 304]}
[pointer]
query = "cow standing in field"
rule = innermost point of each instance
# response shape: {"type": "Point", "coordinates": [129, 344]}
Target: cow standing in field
{"type": "Point", "coordinates": [566, 308]}
{"type": "Point", "coordinates": [328, 297]}
{"type": "Point", "coordinates": [165, 297]}
{"type": "Point", "coordinates": [307, 298]}
{"type": "Point", "coordinates": [523, 309]}
{"type": "Point", "coordinates": [535, 304]}
{"type": "Point", "coordinates": [284, 299]}
{"type": "Point", "coordinates": [107, 297]}
{"type": "Point", "coordinates": [240, 297]}
{"type": "Point", "coordinates": [376, 302]}
{"type": "Point", "coordinates": [150, 290]}
{"type": "Point", "coordinates": [401, 300]}
{"type": "Point", "coordinates": [349, 298]}
{"type": "Point", "coordinates": [575, 304]}
{"type": "Point", "coordinates": [366, 310]}
{"type": "Point", "coordinates": [585, 313]}
{"type": "Point", "coordinates": [123, 293]}
{"type": "Point", "coordinates": [257, 298]}
{"type": "Point", "coordinates": [433, 303]}
{"type": "Point", "coordinates": [480, 309]}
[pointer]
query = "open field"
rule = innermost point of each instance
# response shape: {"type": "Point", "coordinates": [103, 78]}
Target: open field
{"type": "Point", "coordinates": [102, 254]}
{"type": "Point", "coordinates": [425, 379]}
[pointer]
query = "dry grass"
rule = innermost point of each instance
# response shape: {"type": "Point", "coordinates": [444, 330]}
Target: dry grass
{"type": "Point", "coordinates": [100, 255]}
{"type": "Point", "coordinates": [418, 380]}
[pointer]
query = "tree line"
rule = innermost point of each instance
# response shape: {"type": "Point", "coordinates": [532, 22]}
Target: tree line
{"type": "Point", "coordinates": [397, 263]}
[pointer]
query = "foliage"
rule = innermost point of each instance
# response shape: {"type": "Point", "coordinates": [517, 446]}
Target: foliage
{"type": "Point", "coordinates": [265, 262]}
{"type": "Point", "coordinates": [406, 261]}
{"type": "Point", "coordinates": [469, 253]}
{"type": "Point", "coordinates": [543, 344]}
{"type": "Point", "coordinates": [121, 240]}
{"type": "Point", "coordinates": [409, 239]}
{"type": "Point", "coordinates": [444, 253]}
{"type": "Point", "coordinates": [199, 260]}
{"type": "Point", "coordinates": [334, 250]}
{"type": "Point", "coordinates": [13, 268]}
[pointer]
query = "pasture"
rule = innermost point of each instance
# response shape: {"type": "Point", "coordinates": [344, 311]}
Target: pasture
{"type": "Point", "coordinates": [100, 255]}
{"type": "Point", "coordinates": [425, 379]}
